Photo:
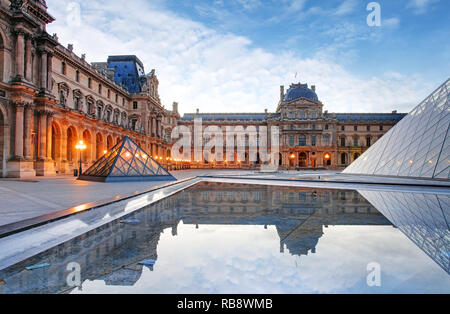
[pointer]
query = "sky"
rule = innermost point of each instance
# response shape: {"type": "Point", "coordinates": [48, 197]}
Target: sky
{"type": "Point", "coordinates": [233, 55]}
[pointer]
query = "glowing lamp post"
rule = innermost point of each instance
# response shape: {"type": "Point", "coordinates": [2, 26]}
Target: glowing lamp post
{"type": "Point", "coordinates": [80, 147]}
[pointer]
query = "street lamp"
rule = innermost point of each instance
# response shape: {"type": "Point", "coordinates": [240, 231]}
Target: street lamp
{"type": "Point", "coordinates": [80, 146]}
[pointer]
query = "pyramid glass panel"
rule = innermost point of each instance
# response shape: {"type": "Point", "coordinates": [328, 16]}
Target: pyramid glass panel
{"type": "Point", "coordinates": [418, 146]}
{"type": "Point", "coordinates": [126, 162]}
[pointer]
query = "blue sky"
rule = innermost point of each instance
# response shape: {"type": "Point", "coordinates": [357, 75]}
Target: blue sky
{"type": "Point", "coordinates": [232, 55]}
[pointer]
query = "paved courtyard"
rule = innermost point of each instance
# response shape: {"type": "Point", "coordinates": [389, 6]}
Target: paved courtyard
{"type": "Point", "coordinates": [25, 199]}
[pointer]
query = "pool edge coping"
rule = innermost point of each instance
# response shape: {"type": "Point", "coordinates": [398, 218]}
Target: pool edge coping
{"type": "Point", "coordinates": [34, 222]}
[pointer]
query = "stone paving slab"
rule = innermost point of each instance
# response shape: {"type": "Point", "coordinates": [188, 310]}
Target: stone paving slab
{"type": "Point", "coordinates": [21, 200]}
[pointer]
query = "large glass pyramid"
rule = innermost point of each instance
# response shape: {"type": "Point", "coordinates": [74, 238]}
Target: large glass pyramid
{"type": "Point", "coordinates": [126, 162]}
{"type": "Point", "coordinates": [418, 146]}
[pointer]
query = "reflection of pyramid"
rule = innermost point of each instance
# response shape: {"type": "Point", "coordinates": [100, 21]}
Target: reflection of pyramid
{"type": "Point", "coordinates": [126, 162]}
{"type": "Point", "coordinates": [418, 146]}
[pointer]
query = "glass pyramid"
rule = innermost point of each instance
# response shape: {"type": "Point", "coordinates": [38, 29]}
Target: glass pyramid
{"type": "Point", "coordinates": [418, 146]}
{"type": "Point", "coordinates": [126, 162]}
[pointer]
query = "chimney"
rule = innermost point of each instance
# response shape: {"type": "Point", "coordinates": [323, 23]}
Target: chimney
{"type": "Point", "coordinates": [394, 111]}
{"type": "Point", "coordinates": [265, 110]}
{"type": "Point", "coordinates": [175, 107]}
{"type": "Point", "coordinates": [313, 87]}
{"type": "Point", "coordinates": [281, 93]}
{"type": "Point", "coordinates": [198, 111]}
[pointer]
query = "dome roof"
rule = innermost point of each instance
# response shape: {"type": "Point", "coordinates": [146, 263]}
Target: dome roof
{"type": "Point", "coordinates": [297, 91]}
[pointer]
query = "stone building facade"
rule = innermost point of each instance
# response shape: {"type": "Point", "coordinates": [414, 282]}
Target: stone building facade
{"type": "Point", "coordinates": [51, 98]}
{"type": "Point", "coordinates": [309, 137]}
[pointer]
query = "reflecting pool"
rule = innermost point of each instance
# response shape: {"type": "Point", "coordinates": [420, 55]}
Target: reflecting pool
{"type": "Point", "coordinates": [231, 238]}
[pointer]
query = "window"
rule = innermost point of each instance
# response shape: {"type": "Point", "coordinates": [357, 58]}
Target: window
{"type": "Point", "coordinates": [302, 140]}
{"type": "Point", "coordinates": [135, 104]}
{"type": "Point", "coordinates": [100, 89]}
{"type": "Point", "coordinates": [313, 126]}
{"type": "Point", "coordinates": [99, 112]}
{"type": "Point", "coordinates": [291, 141]}
{"type": "Point", "coordinates": [368, 128]}
{"type": "Point", "coordinates": [343, 128]}
{"type": "Point", "coordinates": [355, 128]}
{"type": "Point", "coordinates": [343, 159]}
{"type": "Point", "coordinates": [381, 128]}
{"type": "Point", "coordinates": [368, 142]}
{"type": "Point", "coordinates": [302, 114]}
{"type": "Point", "coordinates": [117, 98]}
{"type": "Point", "coordinates": [63, 68]}
{"type": "Point", "coordinates": [89, 82]}
{"type": "Point", "coordinates": [327, 141]}
{"type": "Point", "coordinates": [355, 142]}
{"type": "Point", "coordinates": [109, 93]}
{"type": "Point", "coordinates": [77, 76]}
{"type": "Point", "coordinates": [133, 124]}
{"type": "Point", "coordinates": [343, 141]}
{"type": "Point", "coordinates": [123, 101]}
{"type": "Point", "coordinates": [313, 141]}
{"type": "Point", "coordinates": [77, 103]}
{"type": "Point", "coordinates": [313, 115]}
{"type": "Point", "coordinates": [326, 127]}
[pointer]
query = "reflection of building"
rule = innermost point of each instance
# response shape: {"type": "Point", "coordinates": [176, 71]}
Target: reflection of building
{"type": "Point", "coordinates": [309, 136]}
{"type": "Point", "coordinates": [50, 98]}
{"type": "Point", "coordinates": [112, 252]}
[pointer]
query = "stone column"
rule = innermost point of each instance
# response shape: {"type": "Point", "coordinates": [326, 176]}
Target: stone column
{"type": "Point", "coordinates": [27, 131]}
{"type": "Point", "coordinates": [49, 71]}
{"type": "Point", "coordinates": [42, 135]}
{"type": "Point", "coordinates": [49, 136]}
{"type": "Point", "coordinates": [20, 54]}
{"type": "Point", "coordinates": [44, 68]}
{"type": "Point", "coordinates": [18, 140]}
{"type": "Point", "coordinates": [29, 65]}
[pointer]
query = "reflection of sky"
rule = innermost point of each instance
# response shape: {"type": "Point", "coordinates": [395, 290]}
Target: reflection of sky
{"type": "Point", "coordinates": [247, 259]}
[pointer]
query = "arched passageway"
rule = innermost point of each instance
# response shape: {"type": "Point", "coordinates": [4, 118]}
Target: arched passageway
{"type": "Point", "coordinates": [71, 142]}
{"type": "Point", "coordinates": [302, 160]}
{"type": "Point", "coordinates": [99, 146]}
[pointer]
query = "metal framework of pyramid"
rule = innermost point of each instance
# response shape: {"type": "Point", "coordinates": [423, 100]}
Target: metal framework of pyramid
{"type": "Point", "coordinates": [418, 146]}
{"type": "Point", "coordinates": [126, 162]}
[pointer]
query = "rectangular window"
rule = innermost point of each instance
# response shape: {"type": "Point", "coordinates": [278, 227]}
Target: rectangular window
{"type": "Point", "coordinates": [368, 128]}
{"type": "Point", "coordinates": [89, 82]}
{"type": "Point", "coordinates": [291, 141]}
{"type": "Point", "coordinates": [326, 126]}
{"type": "Point", "coordinates": [343, 128]}
{"type": "Point", "coordinates": [343, 141]}
{"type": "Point", "coordinates": [327, 141]}
{"type": "Point", "coordinates": [368, 142]}
{"type": "Point", "coordinates": [77, 76]}
{"type": "Point", "coordinates": [302, 141]}
{"type": "Point", "coordinates": [135, 104]}
{"type": "Point", "coordinates": [355, 142]}
{"type": "Point", "coordinates": [100, 89]}
{"type": "Point", "coordinates": [313, 141]}
{"type": "Point", "coordinates": [355, 128]}
{"type": "Point", "coordinates": [381, 128]}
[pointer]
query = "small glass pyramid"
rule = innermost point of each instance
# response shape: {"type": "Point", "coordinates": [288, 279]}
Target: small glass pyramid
{"type": "Point", "coordinates": [418, 146]}
{"type": "Point", "coordinates": [126, 162]}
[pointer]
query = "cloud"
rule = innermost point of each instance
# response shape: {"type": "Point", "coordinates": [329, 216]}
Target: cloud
{"type": "Point", "coordinates": [420, 6]}
{"type": "Point", "coordinates": [391, 22]}
{"type": "Point", "coordinates": [213, 71]}
{"type": "Point", "coordinates": [348, 6]}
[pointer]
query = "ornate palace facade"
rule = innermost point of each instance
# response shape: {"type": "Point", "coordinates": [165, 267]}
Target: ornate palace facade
{"type": "Point", "coordinates": [50, 99]}
{"type": "Point", "coordinates": [310, 138]}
